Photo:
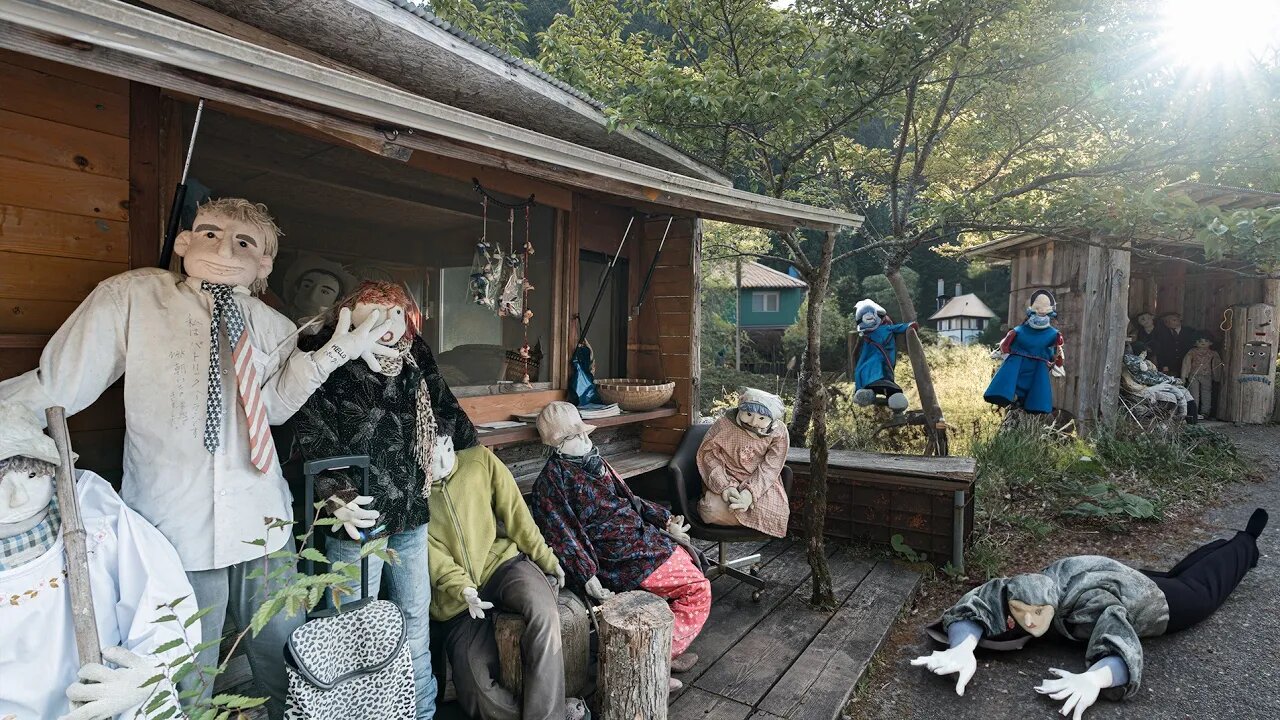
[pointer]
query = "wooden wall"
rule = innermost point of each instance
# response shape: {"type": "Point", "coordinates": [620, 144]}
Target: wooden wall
{"type": "Point", "coordinates": [65, 206]}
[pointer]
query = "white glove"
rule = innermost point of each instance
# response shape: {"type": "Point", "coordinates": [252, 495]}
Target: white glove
{"type": "Point", "coordinates": [107, 692]}
{"type": "Point", "coordinates": [743, 501]}
{"type": "Point", "coordinates": [353, 515]}
{"type": "Point", "coordinates": [1079, 690]}
{"type": "Point", "coordinates": [596, 590]}
{"type": "Point", "coordinates": [348, 343]}
{"type": "Point", "coordinates": [958, 659]}
{"type": "Point", "coordinates": [558, 573]}
{"type": "Point", "coordinates": [729, 494]}
{"type": "Point", "coordinates": [475, 605]}
{"type": "Point", "coordinates": [1057, 371]}
{"type": "Point", "coordinates": [678, 529]}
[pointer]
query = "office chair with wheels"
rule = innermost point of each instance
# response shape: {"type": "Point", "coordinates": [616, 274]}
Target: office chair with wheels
{"type": "Point", "coordinates": [686, 489]}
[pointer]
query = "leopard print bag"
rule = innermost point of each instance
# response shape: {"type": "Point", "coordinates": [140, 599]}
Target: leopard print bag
{"type": "Point", "coordinates": [352, 663]}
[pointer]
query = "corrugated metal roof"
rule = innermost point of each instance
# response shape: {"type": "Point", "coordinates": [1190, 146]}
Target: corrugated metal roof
{"type": "Point", "coordinates": [963, 306]}
{"type": "Point", "coordinates": [755, 275]}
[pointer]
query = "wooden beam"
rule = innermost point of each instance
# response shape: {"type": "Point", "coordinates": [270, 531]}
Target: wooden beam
{"type": "Point", "coordinates": [145, 204]}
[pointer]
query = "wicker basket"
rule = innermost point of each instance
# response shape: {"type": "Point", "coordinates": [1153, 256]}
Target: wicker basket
{"type": "Point", "coordinates": [635, 395]}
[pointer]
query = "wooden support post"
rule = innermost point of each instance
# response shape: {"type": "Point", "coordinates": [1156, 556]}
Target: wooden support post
{"type": "Point", "coordinates": [635, 656]}
{"type": "Point", "coordinates": [83, 621]}
{"type": "Point", "coordinates": [575, 633]}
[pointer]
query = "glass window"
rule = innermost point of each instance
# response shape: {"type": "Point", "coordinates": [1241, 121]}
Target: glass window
{"type": "Point", "coordinates": [350, 215]}
{"type": "Point", "coordinates": [764, 302]}
{"type": "Point", "coordinates": [608, 332]}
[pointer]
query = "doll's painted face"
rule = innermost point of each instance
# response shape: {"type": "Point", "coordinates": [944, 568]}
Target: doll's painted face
{"type": "Point", "coordinates": [1146, 321]}
{"type": "Point", "coordinates": [757, 423]}
{"type": "Point", "coordinates": [869, 320]}
{"type": "Point", "coordinates": [24, 493]}
{"type": "Point", "coordinates": [1173, 322]}
{"type": "Point", "coordinates": [1034, 619]}
{"type": "Point", "coordinates": [223, 249]}
{"type": "Point", "coordinates": [1202, 343]}
{"type": "Point", "coordinates": [444, 460]}
{"type": "Point", "coordinates": [392, 313]}
{"type": "Point", "coordinates": [315, 292]}
{"type": "Point", "coordinates": [576, 445]}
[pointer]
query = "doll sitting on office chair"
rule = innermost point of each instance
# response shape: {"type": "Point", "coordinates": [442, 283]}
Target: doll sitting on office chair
{"type": "Point", "coordinates": [740, 461]}
{"type": "Point", "coordinates": [392, 413]}
{"type": "Point", "coordinates": [609, 540]}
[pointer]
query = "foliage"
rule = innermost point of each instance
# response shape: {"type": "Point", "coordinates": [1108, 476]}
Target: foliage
{"type": "Point", "coordinates": [293, 596]}
{"type": "Point", "coordinates": [877, 288]}
{"type": "Point", "coordinates": [498, 22]}
{"type": "Point", "coordinates": [719, 389]}
{"type": "Point", "coordinates": [835, 337]}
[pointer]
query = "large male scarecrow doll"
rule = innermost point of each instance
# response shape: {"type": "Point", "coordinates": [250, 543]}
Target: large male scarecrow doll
{"type": "Point", "coordinates": [207, 368]}
{"type": "Point", "coordinates": [134, 575]}
{"type": "Point", "coordinates": [876, 356]}
{"type": "Point", "coordinates": [1098, 601]}
{"type": "Point", "coordinates": [607, 539]}
{"type": "Point", "coordinates": [392, 414]}
{"type": "Point", "coordinates": [1032, 352]}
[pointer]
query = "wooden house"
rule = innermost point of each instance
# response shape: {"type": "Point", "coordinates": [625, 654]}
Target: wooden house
{"type": "Point", "coordinates": [365, 126]}
{"type": "Point", "coordinates": [1102, 285]}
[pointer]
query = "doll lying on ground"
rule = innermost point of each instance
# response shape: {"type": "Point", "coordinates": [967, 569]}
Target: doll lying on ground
{"type": "Point", "coordinates": [1096, 600]}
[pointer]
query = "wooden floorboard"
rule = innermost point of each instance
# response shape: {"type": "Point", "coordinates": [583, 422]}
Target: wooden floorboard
{"type": "Point", "coordinates": [701, 705]}
{"type": "Point", "coordinates": [818, 684]}
{"type": "Point", "coordinates": [751, 667]}
{"type": "Point", "coordinates": [733, 613]}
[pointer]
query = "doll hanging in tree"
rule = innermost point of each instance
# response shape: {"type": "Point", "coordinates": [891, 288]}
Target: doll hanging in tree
{"type": "Point", "coordinates": [1032, 353]}
{"type": "Point", "coordinates": [876, 356]}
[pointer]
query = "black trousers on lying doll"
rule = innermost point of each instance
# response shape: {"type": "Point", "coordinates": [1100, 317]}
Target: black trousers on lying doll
{"type": "Point", "coordinates": [1202, 581]}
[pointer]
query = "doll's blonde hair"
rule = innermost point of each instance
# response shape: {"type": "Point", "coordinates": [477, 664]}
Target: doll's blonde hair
{"type": "Point", "coordinates": [255, 214]}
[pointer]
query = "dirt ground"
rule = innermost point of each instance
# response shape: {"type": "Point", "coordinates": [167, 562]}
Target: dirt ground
{"type": "Point", "coordinates": [1224, 668]}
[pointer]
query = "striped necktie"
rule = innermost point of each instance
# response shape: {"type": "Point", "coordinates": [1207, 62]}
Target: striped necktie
{"type": "Point", "coordinates": [262, 449]}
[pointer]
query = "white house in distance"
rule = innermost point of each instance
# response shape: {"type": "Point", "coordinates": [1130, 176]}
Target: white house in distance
{"type": "Point", "coordinates": [961, 317]}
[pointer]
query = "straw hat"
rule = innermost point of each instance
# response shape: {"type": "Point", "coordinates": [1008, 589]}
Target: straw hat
{"type": "Point", "coordinates": [559, 421]}
{"type": "Point", "coordinates": [21, 435]}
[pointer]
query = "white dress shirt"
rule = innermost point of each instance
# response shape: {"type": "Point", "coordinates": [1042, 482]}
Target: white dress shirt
{"type": "Point", "coordinates": [132, 569]}
{"type": "Point", "coordinates": [152, 327]}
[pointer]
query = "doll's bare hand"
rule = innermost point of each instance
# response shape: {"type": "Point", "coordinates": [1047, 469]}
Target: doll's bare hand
{"type": "Point", "coordinates": [678, 529]}
{"type": "Point", "coordinates": [596, 590]}
{"type": "Point", "coordinates": [475, 605]}
{"type": "Point", "coordinates": [743, 501]}
{"type": "Point", "coordinates": [1080, 690]}
{"type": "Point", "coordinates": [958, 659]}
{"type": "Point", "coordinates": [354, 516]}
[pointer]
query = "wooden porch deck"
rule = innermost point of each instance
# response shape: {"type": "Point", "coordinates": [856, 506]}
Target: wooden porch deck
{"type": "Point", "coordinates": [780, 658]}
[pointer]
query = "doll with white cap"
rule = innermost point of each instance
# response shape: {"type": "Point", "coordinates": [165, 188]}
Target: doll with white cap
{"type": "Point", "coordinates": [1032, 353]}
{"type": "Point", "coordinates": [132, 570]}
{"type": "Point", "coordinates": [1098, 601]}
{"type": "Point", "coordinates": [740, 461]}
{"type": "Point", "coordinates": [609, 540]}
{"type": "Point", "coordinates": [876, 355]}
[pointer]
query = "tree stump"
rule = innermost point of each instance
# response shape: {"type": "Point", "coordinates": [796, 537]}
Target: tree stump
{"type": "Point", "coordinates": [635, 656]}
{"type": "Point", "coordinates": [575, 633]}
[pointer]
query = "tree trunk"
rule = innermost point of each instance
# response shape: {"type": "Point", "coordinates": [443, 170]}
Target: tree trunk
{"type": "Point", "coordinates": [575, 634]}
{"type": "Point", "coordinates": [635, 656]}
{"type": "Point", "coordinates": [811, 410]}
{"type": "Point", "coordinates": [935, 427]}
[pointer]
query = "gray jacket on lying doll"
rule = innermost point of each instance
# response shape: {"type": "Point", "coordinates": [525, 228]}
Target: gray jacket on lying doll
{"type": "Point", "coordinates": [1099, 601]}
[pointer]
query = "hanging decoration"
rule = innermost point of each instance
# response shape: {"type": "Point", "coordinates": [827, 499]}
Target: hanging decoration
{"type": "Point", "coordinates": [486, 264]}
{"type": "Point", "coordinates": [504, 278]}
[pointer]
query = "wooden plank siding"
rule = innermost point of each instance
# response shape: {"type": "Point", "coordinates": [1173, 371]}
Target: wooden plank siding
{"type": "Point", "coordinates": [67, 189]}
{"type": "Point", "coordinates": [666, 330]}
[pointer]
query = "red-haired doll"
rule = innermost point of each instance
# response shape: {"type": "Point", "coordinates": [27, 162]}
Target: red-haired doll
{"type": "Point", "coordinates": [392, 413]}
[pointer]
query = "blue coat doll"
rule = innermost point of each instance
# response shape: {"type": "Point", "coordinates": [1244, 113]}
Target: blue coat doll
{"type": "Point", "coordinates": [1032, 353]}
{"type": "Point", "coordinates": [876, 355]}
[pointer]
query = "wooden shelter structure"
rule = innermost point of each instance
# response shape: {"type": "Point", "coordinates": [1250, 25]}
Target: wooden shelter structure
{"type": "Point", "coordinates": [1102, 284]}
{"type": "Point", "coordinates": [364, 125]}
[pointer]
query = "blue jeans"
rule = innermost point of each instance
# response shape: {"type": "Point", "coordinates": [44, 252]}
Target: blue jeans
{"type": "Point", "coordinates": [408, 586]}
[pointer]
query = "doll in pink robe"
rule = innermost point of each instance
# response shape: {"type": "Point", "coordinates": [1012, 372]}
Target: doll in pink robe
{"type": "Point", "coordinates": [740, 461]}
